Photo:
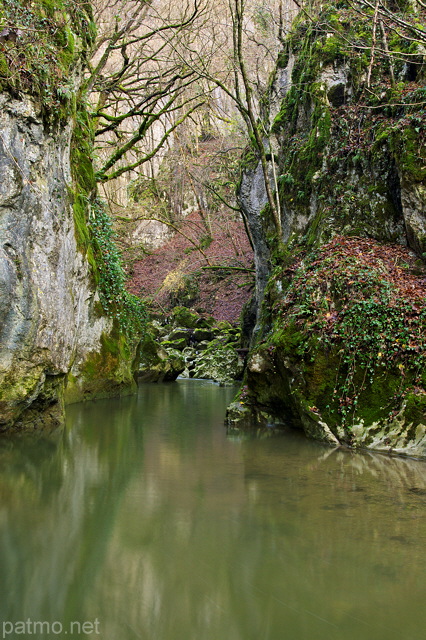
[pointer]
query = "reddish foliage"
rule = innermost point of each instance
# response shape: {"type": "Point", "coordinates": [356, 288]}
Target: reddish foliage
{"type": "Point", "coordinates": [397, 263]}
{"type": "Point", "coordinates": [221, 294]}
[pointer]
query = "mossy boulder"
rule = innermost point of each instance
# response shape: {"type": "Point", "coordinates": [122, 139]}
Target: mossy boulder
{"type": "Point", "coordinates": [220, 363]}
{"type": "Point", "coordinates": [183, 317]}
{"type": "Point", "coordinates": [158, 363]}
{"type": "Point", "coordinates": [346, 350]}
{"type": "Point", "coordinates": [178, 345]}
{"type": "Point", "coordinates": [199, 335]}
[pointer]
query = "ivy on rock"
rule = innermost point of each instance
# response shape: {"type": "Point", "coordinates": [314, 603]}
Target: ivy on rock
{"type": "Point", "coordinates": [129, 310]}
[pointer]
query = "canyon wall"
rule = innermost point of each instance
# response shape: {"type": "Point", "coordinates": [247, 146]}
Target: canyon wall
{"type": "Point", "coordinates": [339, 344]}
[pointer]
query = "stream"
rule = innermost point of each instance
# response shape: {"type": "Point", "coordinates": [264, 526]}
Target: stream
{"type": "Point", "coordinates": [144, 519]}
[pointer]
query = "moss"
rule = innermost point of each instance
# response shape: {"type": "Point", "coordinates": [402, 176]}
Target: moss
{"type": "Point", "coordinates": [18, 385]}
{"type": "Point", "coordinates": [415, 410]}
{"type": "Point", "coordinates": [84, 184]}
{"type": "Point", "coordinates": [289, 338]}
{"type": "Point", "coordinates": [106, 372]}
{"type": "Point", "coordinates": [98, 309]}
{"type": "Point", "coordinates": [316, 373]}
{"type": "Point", "coordinates": [46, 51]}
{"type": "Point", "coordinates": [408, 151]}
{"type": "Point", "coordinates": [249, 158]}
{"type": "Point", "coordinates": [357, 370]}
{"type": "Point", "coordinates": [82, 150]}
{"type": "Point", "coordinates": [313, 237]}
{"type": "Point", "coordinates": [149, 349]}
{"type": "Point", "coordinates": [183, 317]}
{"type": "Point", "coordinates": [283, 58]}
{"type": "Point", "coordinates": [47, 412]}
{"type": "Point", "coordinates": [5, 72]}
{"type": "Point", "coordinates": [286, 115]}
{"type": "Point", "coordinates": [82, 235]}
{"type": "Point", "coordinates": [330, 49]}
{"type": "Point", "coordinates": [305, 145]}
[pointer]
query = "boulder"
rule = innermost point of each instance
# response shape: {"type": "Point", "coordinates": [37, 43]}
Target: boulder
{"type": "Point", "coordinates": [158, 364]}
{"type": "Point", "coordinates": [219, 363]}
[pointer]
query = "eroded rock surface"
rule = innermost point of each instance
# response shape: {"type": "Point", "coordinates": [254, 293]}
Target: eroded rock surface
{"type": "Point", "coordinates": [49, 328]}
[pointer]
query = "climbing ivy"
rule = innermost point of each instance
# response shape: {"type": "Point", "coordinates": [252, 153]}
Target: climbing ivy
{"type": "Point", "coordinates": [118, 303]}
{"type": "Point", "coordinates": [369, 313]}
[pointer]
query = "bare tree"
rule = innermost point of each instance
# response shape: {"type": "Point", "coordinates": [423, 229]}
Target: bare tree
{"type": "Point", "coordinates": [136, 83]}
{"type": "Point", "coordinates": [247, 38]}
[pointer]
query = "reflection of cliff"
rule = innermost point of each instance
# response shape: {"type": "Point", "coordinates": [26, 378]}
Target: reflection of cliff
{"type": "Point", "coordinates": [178, 511]}
{"type": "Point", "coordinates": [147, 518]}
{"type": "Point", "coordinates": [219, 540]}
{"type": "Point", "coordinates": [62, 501]}
{"type": "Point", "coordinates": [346, 528]}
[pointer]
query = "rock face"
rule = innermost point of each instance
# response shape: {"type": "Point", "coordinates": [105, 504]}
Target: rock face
{"type": "Point", "coordinates": [191, 346]}
{"type": "Point", "coordinates": [339, 348]}
{"type": "Point", "coordinates": [252, 199]}
{"type": "Point", "coordinates": [51, 324]}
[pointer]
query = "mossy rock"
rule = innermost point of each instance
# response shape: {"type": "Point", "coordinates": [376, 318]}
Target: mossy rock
{"type": "Point", "coordinates": [178, 344]}
{"type": "Point", "coordinates": [107, 372]}
{"type": "Point", "coordinates": [183, 317]}
{"type": "Point", "coordinates": [221, 364]}
{"type": "Point", "coordinates": [159, 363]}
{"type": "Point", "coordinates": [341, 360]}
{"type": "Point", "coordinates": [178, 334]}
{"type": "Point", "coordinates": [225, 326]}
{"type": "Point", "coordinates": [199, 335]}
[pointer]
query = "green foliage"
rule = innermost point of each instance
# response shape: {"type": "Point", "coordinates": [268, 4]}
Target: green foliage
{"type": "Point", "coordinates": [39, 53]}
{"type": "Point", "coordinates": [118, 303]}
{"type": "Point", "coordinates": [351, 311]}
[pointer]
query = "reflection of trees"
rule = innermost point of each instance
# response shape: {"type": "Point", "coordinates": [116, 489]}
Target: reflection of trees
{"type": "Point", "coordinates": [64, 499]}
{"type": "Point", "coordinates": [186, 535]}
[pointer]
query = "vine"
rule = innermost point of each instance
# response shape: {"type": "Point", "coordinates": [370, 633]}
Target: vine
{"type": "Point", "coordinates": [363, 304]}
{"type": "Point", "coordinates": [118, 303]}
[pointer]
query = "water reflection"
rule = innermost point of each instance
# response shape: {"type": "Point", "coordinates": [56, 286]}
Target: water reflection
{"type": "Point", "coordinates": [145, 516]}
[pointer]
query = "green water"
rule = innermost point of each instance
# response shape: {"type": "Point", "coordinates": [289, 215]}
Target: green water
{"type": "Point", "coordinates": [145, 521]}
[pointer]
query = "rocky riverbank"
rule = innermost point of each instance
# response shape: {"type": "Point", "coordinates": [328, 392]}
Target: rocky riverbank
{"type": "Point", "coordinates": [189, 345]}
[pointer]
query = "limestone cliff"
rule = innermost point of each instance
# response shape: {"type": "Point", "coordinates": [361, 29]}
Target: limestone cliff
{"type": "Point", "coordinates": [56, 342]}
{"type": "Point", "coordinates": [340, 343]}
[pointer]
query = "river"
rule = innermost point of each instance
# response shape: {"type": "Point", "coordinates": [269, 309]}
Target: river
{"type": "Point", "coordinates": [145, 520]}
